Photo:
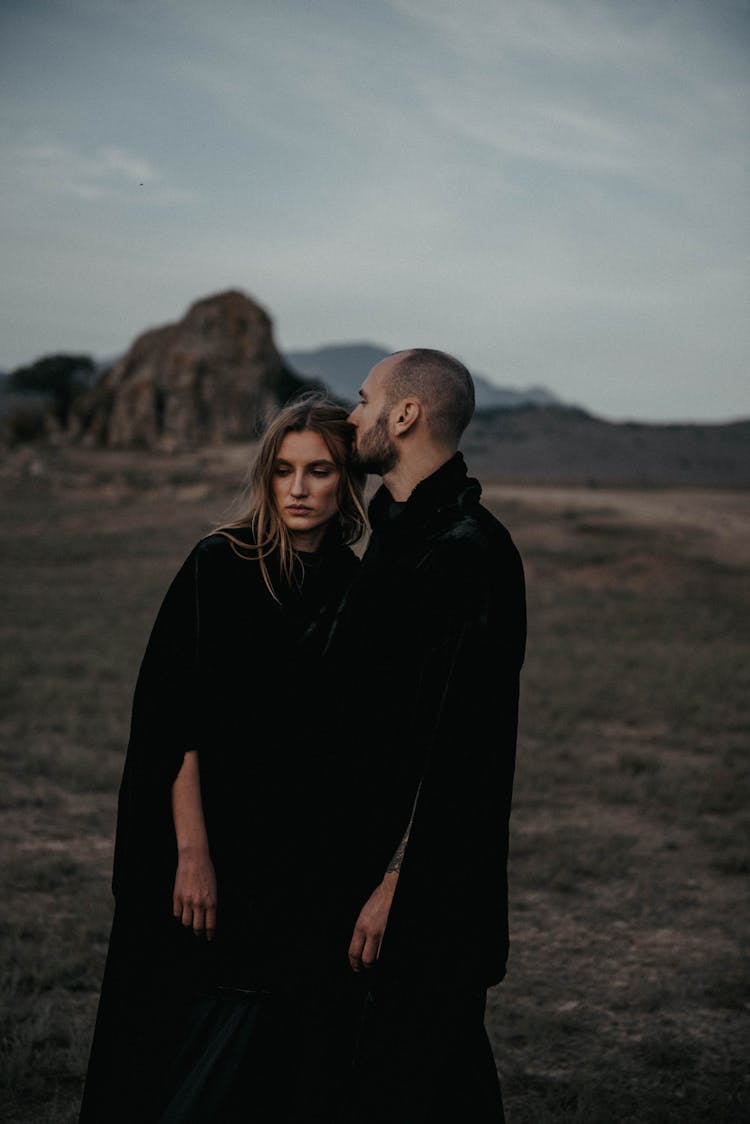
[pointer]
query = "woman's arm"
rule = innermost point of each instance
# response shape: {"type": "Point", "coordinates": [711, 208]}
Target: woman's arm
{"type": "Point", "coordinates": [194, 898]}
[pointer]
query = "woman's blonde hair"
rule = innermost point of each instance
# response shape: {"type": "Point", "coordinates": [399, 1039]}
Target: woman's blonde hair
{"type": "Point", "coordinates": [314, 412]}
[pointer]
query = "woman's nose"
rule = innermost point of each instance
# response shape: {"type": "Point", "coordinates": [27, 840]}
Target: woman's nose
{"type": "Point", "coordinates": [299, 488]}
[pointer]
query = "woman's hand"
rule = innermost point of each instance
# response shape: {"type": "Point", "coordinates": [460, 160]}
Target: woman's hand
{"type": "Point", "coordinates": [367, 938]}
{"type": "Point", "coordinates": [194, 898]}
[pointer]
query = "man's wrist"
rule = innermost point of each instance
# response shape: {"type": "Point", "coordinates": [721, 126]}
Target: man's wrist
{"type": "Point", "coordinates": [197, 849]}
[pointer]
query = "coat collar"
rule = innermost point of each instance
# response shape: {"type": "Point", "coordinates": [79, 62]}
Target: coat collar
{"type": "Point", "coordinates": [448, 488]}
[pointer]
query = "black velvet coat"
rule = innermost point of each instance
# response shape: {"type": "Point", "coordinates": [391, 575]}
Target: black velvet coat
{"type": "Point", "coordinates": [428, 648]}
{"type": "Point", "coordinates": [231, 673]}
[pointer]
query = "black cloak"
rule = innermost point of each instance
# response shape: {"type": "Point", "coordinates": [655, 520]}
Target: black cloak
{"type": "Point", "coordinates": [232, 673]}
{"type": "Point", "coordinates": [433, 630]}
{"type": "Point", "coordinates": [428, 648]}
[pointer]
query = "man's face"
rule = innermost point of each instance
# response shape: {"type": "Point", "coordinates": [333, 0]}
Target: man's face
{"type": "Point", "coordinates": [376, 451]}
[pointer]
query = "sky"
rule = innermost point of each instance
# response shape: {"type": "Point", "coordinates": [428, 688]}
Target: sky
{"type": "Point", "coordinates": [554, 191]}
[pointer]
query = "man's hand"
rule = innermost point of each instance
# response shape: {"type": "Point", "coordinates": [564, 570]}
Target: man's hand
{"type": "Point", "coordinates": [370, 927]}
{"type": "Point", "coordinates": [194, 898]}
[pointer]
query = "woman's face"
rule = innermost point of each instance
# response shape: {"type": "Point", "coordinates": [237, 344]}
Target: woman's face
{"type": "Point", "coordinates": [305, 487]}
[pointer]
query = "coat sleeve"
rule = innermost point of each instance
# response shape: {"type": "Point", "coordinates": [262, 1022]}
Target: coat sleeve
{"type": "Point", "coordinates": [162, 728]}
{"type": "Point", "coordinates": [451, 901]}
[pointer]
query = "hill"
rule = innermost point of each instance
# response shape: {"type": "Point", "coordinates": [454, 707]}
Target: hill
{"type": "Point", "coordinates": [211, 378]}
{"type": "Point", "coordinates": [559, 445]}
{"type": "Point", "coordinates": [342, 367]}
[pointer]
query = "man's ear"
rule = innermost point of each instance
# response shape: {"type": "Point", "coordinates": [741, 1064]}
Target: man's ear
{"type": "Point", "coordinates": [405, 415]}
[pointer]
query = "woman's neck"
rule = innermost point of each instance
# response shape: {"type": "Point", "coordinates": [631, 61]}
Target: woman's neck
{"type": "Point", "coordinates": [309, 542]}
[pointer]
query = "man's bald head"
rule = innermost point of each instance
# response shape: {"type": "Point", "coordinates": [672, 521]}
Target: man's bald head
{"type": "Point", "coordinates": [442, 384]}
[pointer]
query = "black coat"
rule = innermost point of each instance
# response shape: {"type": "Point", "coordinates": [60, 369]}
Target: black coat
{"type": "Point", "coordinates": [234, 674]}
{"type": "Point", "coordinates": [430, 642]}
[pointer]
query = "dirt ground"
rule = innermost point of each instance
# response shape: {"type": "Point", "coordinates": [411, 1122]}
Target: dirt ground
{"type": "Point", "coordinates": [628, 992]}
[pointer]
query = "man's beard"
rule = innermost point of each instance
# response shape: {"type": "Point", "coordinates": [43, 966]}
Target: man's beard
{"type": "Point", "coordinates": [375, 451]}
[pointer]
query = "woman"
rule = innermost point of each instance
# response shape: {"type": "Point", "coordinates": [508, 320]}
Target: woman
{"type": "Point", "coordinates": [221, 838]}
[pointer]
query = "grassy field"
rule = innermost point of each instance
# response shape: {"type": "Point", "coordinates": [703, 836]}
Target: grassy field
{"type": "Point", "coordinates": [628, 992]}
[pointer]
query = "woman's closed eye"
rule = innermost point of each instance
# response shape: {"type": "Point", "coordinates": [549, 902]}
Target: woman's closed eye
{"type": "Point", "coordinates": [319, 471]}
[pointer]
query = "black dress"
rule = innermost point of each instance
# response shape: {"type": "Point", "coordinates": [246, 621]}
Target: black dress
{"type": "Point", "coordinates": [232, 673]}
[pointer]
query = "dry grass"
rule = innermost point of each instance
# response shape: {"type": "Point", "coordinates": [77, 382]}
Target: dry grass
{"type": "Point", "coordinates": [626, 1000]}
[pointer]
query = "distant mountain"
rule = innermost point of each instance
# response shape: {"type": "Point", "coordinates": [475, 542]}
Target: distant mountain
{"type": "Point", "coordinates": [216, 374]}
{"type": "Point", "coordinates": [565, 445]}
{"type": "Point", "coordinates": [530, 435]}
{"type": "Point", "coordinates": [343, 368]}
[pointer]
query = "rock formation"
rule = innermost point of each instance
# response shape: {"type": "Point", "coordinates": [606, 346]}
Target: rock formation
{"type": "Point", "coordinates": [214, 376]}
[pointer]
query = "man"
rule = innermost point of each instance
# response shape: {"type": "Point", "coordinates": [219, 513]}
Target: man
{"type": "Point", "coordinates": [428, 646]}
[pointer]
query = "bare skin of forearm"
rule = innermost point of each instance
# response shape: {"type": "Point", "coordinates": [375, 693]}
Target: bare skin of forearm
{"type": "Point", "coordinates": [369, 930]}
{"type": "Point", "coordinates": [194, 898]}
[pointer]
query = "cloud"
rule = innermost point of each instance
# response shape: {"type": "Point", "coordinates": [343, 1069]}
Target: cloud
{"type": "Point", "coordinates": [106, 173]}
{"type": "Point", "coordinates": [638, 91]}
{"type": "Point", "coordinates": [555, 189]}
